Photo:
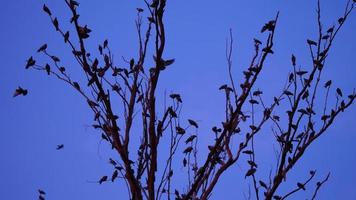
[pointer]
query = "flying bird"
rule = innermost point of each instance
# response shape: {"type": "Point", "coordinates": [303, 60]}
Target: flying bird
{"type": "Point", "coordinates": [20, 91]}
{"type": "Point", "coordinates": [60, 146]}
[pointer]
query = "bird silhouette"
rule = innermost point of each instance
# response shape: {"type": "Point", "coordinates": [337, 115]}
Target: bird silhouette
{"type": "Point", "coordinates": [66, 37]}
{"type": "Point", "coordinates": [114, 175]}
{"type": "Point", "coordinates": [60, 146]}
{"type": "Point", "coordinates": [42, 48]}
{"type": "Point", "coordinates": [312, 43]}
{"type": "Point", "coordinates": [268, 26]}
{"type": "Point", "coordinates": [20, 91]}
{"type": "Point", "coordinates": [103, 179]}
{"type": "Point", "coordinates": [46, 9]}
{"type": "Point", "coordinates": [328, 83]}
{"type": "Point", "coordinates": [84, 31]}
{"type": "Point", "coordinates": [48, 69]}
{"type": "Point", "coordinates": [41, 192]}
{"type": "Point", "coordinates": [190, 139]}
{"type": "Point", "coordinates": [339, 92]}
{"type": "Point", "coordinates": [74, 3]}
{"type": "Point", "coordinates": [56, 24]}
{"type": "Point", "coordinates": [250, 172]}
{"type": "Point", "coordinates": [193, 123]}
{"type": "Point", "coordinates": [30, 62]}
{"type": "Point", "coordinates": [188, 150]}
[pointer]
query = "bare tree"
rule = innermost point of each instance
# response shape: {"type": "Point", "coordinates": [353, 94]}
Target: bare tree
{"type": "Point", "coordinates": [297, 120]}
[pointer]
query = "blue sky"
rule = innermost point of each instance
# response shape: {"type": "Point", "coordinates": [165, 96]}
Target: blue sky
{"type": "Point", "coordinates": [53, 113]}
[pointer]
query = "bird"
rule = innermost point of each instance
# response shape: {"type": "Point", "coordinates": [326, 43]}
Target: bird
{"type": "Point", "coordinates": [60, 146]}
{"type": "Point", "coordinates": [293, 60]}
{"type": "Point", "coordinates": [84, 31]}
{"type": "Point", "coordinates": [339, 92]}
{"type": "Point", "coordinates": [193, 123]}
{"type": "Point", "coordinates": [268, 26]}
{"type": "Point", "coordinates": [42, 48]}
{"type": "Point", "coordinates": [250, 172]}
{"type": "Point", "coordinates": [114, 175]}
{"type": "Point", "coordinates": [20, 91]}
{"type": "Point", "coordinates": [328, 83]}
{"type": "Point", "coordinates": [188, 150]}
{"type": "Point", "coordinates": [74, 3]}
{"type": "Point", "coordinates": [177, 97]}
{"type": "Point", "coordinates": [30, 62]}
{"type": "Point", "coordinates": [41, 192]}
{"type": "Point", "coordinates": [55, 24]}
{"type": "Point", "coordinates": [190, 139]}
{"type": "Point", "coordinates": [48, 69]}
{"type": "Point", "coordinates": [312, 43]}
{"type": "Point", "coordinates": [46, 9]}
{"type": "Point", "coordinates": [103, 179]}
{"type": "Point", "coordinates": [66, 37]}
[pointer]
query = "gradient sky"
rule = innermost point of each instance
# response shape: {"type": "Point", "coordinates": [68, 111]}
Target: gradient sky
{"type": "Point", "coordinates": [53, 113]}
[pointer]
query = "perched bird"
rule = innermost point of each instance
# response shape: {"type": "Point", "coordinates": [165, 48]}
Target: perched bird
{"type": "Point", "coordinates": [114, 175]}
{"type": "Point", "coordinates": [312, 43]}
{"type": "Point", "coordinates": [20, 91]}
{"type": "Point", "coordinates": [258, 42]}
{"type": "Point", "coordinates": [41, 192]}
{"type": "Point", "coordinates": [268, 26]}
{"type": "Point", "coordinates": [103, 179]}
{"type": "Point", "coordinates": [250, 172]}
{"type": "Point", "coordinates": [180, 130]}
{"type": "Point", "coordinates": [55, 24]}
{"type": "Point", "coordinates": [30, 62]}
{"type": "Point", "coordinates": [74, 3]}
{"type": "Point", "coordinates": [190, 139]}
{"type": "Point", "coordinates": [66, 37]}
{"type": "Point", "coordinates": [46, 9]}
{"type": "Point", "coordinates": [193, 123]}
{"type": "Point", "coordinates": [84, 31]}
{"type": "Point", "coordinates": [328, 83]}
{"type": "Point", "coordinates": [293, 60]}
{"type": "Point", "coordinates": [48, 69]}
{"type": "Point", "coordinates": [339, 92]}
{"type": "Point", "coordinates": [177, 97]}
{"type": "Point", "coordinates": [42, 48]}
{"type": "Point", "coordinates": [60, 146]}
{"type": "Point", "coordinates": [188, 150]}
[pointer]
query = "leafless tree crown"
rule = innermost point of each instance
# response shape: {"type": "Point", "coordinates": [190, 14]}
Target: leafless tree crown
{"type": "Point", "coordinates": [296, 124]}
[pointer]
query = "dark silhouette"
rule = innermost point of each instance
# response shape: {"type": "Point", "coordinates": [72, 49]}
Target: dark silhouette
{"type": "Point", "coordinates": [295, 128]}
